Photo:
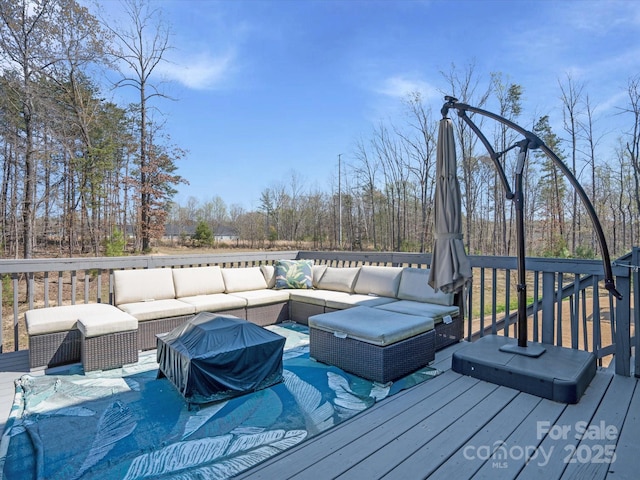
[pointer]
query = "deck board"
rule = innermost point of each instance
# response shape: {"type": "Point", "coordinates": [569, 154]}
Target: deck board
{"type": "Point", "coordinates": [432, 429]}
{"type": "Point", "coordinates": [349, 445]}
{"type": "Point", "coordinates": [403, 437]}
{"type": "Point", "coordinates": [12, 366]}
{"type": "Point", "coordinates": [450, 434]}
{"type": "Point", "coordinates": [555, 447]}
{"type": "Point", "coordinates": [467, 458]}
{"type": "Point", "coordinates": [521, 443]}
{"type": "Point", "coordinates": [438, 442]}
{"type": "Point", "coordinates": [627, 461]}
{"type": "Point", "coordinates": [586, 460]}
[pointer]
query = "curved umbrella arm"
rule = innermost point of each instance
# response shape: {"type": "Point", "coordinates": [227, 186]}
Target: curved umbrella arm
{"type": "Point", "coordinates": [535, 142]}
{"type": "Point", "coordinates": [494, 156]}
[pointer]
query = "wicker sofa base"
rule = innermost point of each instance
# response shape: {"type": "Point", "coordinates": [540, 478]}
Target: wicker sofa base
{"type": "Point", "coordinates": [449, 333]}
{"type": "Point", "coordinates": [301, 311]}
{"type": "Point", "coordinates": [268, 314]}
{"type": "Point", "coordinates": [109, 351]}
{"type": "Point", "coordinates": [53, 349]}
{"type": "Point", "coordinates": [148, 329]}
{"type": "Point", "coordinates": [373, 362]}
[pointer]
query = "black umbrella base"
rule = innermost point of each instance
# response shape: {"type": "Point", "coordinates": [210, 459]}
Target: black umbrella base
{"type": "Point", "coordinates": [558, 373]}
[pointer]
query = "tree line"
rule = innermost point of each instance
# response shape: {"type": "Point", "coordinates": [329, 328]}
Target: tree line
{"type": "Point", "coordinates": [387, 190]}
{"type": "Point", "coordinates": [78, 168]}
{"type": "Point", "coordinates": [81, 173]}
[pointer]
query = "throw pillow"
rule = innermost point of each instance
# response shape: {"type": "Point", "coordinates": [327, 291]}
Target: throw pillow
{"type": "Point", "coordinates": [293, 274]}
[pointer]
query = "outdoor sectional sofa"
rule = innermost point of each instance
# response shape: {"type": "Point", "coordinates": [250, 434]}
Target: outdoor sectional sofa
{"type": "Point", "coordinates": [153, 301]}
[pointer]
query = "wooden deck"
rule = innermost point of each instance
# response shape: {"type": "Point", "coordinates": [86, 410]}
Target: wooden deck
{"type": "Point", "coordinates": [456, 427]}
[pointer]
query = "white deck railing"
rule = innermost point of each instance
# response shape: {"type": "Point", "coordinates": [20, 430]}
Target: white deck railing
{"type": "Point", "coordinates": [568, 305]}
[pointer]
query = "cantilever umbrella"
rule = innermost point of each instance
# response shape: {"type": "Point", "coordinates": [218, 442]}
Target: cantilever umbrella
{"type": "Point", "coordinates": [450, 266]}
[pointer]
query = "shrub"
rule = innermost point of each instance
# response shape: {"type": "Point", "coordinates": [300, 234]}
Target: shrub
{"type": "Point", "coordinates": [203, 234]}
{"type": "Point", "coordinates": [115, 244]}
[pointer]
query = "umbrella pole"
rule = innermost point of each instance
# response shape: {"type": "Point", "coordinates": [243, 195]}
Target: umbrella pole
{"type": "Point", "coordinates": [522, 281]}
{"type": "Point", "coordinates": [523, 347]}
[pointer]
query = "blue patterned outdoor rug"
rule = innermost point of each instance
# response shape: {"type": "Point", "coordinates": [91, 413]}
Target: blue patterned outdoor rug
{"type": "Point", "coordinates": [126, 424]}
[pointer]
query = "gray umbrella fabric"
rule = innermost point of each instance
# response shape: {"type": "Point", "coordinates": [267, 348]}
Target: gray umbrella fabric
{"type": "Point", "coordinates": [450, 266]}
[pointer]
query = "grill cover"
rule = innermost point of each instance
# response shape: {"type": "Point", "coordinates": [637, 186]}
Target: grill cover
{"type": "Point", "coordinates": [214, 357]}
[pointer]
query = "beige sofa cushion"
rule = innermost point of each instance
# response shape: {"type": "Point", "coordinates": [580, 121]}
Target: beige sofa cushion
{"type": "Point", "coordinates": [410, 307]}
{"type": "Point", "coordinates": [166, 308]}
{"type": "Point", "coordinates": [339, 279]}
{"type": "Point", "coordinates": [314, 297]}
{"type": "Point", "coordinates": [106, 323]}
{"type": "Point", "coordinates": [269, 272]}
{"type": "Point", "coordinates": [316, 272]}
{"type": "Point", "coordinates": [255, 298]}
{"type": "Point", "coordinates": [197, 281]}
{"type": "Point", "coordinates": [243, 279]}
{"type": "Point", "coordinates": [65, 317]}
{"type": "Point", "coordinates": [382, 281]}
{"type": "Point", "coordinates": [414, 286]}
{"type": "Point", "coordinates": [215, 302]}
{"type": "Point", "coordinates": [357, 299]}
{"type": "Point", "coordinates": [130, 286]}
{"type": "Point", "coordinates": [371, 325]}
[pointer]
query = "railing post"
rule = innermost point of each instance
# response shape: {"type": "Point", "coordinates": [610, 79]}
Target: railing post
{"type": "Point", "coordinates": [623, 327]}
{"type": "Point", "coordinates": [16, 333]}
{"type": "Point", "coordinates": [1, 317]}
{"type": "Point", "coordinates": [636, 307]}
{"type": "Point", "coordinates": [548, 288]}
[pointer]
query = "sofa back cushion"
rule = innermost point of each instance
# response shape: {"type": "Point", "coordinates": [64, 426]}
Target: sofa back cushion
{"type": "Point", "coordinates": [381, 281]}
{"type": "Point", "coordinates": [269, 272]}
{"type": "Point", "coordinates": [316, 272]}
{"type": "Point", "coordinates": [339, 279]}
{"type": "Point", "coordinates": [243, 279]}
{"type": "Point", "coordinates": [189, 282]}
{"type": "Point", "coordinates": [131, 286]}
{"type": "Point", "coordinates": [414, 286]}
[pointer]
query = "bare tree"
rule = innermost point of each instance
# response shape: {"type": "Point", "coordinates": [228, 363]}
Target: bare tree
{"type": "Point", "coordinates": [509, 97]}
{"type": "Point", "coordinates": [592, 141]}
{"type": "Point", "coordinates": [421, 148]}
{"type": "Point", "coordinates": [141, 47]}
{"type": "Point", "coordinates": [632, 145]}
{"type": "Point", "coordinates": [571, 97]}
{"type": "Point", "coordinates": [26, 45]}
{"type": "Point", "coordinates": [366, 171]}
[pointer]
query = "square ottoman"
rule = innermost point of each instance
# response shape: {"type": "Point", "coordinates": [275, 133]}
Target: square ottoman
{"type": "Point", "coordinates": [108, 340]}
{"type": "Point", "coordinates": [374, 344]}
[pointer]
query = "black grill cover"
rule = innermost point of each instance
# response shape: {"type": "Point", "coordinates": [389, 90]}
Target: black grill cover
{"type": "Point", "coordinates": [214, 357]}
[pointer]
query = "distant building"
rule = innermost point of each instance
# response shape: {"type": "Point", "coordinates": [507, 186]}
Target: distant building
{"type": "Point", "coordinates": [225, 234]}
{"type": "Point", "coordinates": [174, 232]}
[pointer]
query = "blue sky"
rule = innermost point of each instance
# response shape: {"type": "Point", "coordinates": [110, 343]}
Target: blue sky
{"type": "Point", "coordinates": [268, 89]}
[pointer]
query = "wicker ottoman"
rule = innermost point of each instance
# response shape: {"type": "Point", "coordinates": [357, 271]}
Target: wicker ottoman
{"type": "Point", "coordinates": [108, 340]}
{"type": "Point", "coordinates": [374, 344]}
{"type": "Point", "coordinates": [54, 338]}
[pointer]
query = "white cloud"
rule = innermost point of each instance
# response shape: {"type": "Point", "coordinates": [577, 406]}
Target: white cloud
{"type": "Point", "coordinates": [201, 71]}
{"type": "Point", "coordinates": [400, 87]}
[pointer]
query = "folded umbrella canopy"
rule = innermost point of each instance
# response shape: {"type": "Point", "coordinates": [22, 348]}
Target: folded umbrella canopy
{"type": "Point", "coordinates": [450, 266]}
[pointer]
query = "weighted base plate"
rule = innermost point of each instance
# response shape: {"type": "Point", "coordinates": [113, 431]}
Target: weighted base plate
{"type": "Point", "coordinates": [559, 374]}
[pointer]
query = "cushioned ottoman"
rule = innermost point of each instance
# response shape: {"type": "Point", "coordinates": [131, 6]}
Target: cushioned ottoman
{"type": "Point", "coordinates": [374, 344]}
{"type": "Point", "coordinates": [54, 338]}
{"type": "Point", "coordinates": [108, 340]}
